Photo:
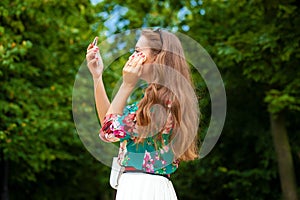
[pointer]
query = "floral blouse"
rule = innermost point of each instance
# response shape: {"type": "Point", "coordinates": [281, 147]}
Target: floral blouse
{"type": "Point", "coordinates": [146, 156]}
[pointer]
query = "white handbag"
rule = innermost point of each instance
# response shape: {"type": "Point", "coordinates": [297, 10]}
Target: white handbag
{"type": "Point", "coordinates": [115, 173]}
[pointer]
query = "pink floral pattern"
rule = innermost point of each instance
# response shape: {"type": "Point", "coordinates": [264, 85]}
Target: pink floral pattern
{"type": "Point", "coordinates": [129, 122]}
{"type": "Point", "coordinates": [157, 158]}
{"type": "Point", "coordinates": [148, 163]}
{"type": "Point", "coordinates": [112, 130]}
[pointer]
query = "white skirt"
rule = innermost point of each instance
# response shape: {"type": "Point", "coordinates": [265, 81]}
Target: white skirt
{"type": "Point", "coordinates": [142, 186]}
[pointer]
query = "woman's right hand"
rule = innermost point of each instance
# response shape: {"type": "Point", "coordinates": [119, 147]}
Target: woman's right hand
{"type": "Point", "coordinates": [94, 61]}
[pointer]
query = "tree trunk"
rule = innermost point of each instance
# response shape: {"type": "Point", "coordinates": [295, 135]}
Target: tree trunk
{"type": "Point", "coordinates": [4, 175]}
{"type": "Point", "coordinates": [284, 157]}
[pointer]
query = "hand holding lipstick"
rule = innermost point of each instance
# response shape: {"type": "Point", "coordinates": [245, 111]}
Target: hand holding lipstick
{"type": "Point", "coordinates": [94, 60]}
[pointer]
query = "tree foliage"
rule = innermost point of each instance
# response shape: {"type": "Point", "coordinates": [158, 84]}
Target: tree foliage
{"type": "Point", "coordinates": [42, 45]}
{"type": "Point", "coordinates": [254, 43]}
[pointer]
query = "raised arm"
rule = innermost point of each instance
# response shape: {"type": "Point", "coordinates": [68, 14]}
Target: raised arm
{"type": "Point", "coordinates": [95, 65]}
{"type": "Point", "coordinates": [101, 99]}
{"type": "Point", "coordinates": [113, 128]}
{"type": "Point", "coordinates": [131, 73]}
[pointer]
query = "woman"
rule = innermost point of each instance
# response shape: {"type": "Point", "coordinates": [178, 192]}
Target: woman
{"type": "Point", "coordinates": [160, 130]}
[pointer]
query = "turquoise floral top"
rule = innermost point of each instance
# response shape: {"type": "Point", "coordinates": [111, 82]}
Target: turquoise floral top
{"type": "Point", "coordinates": [146, 156]}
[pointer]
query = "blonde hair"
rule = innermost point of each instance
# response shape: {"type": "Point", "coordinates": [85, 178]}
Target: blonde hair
{"type": "Point", "coordinates": [172, 89]}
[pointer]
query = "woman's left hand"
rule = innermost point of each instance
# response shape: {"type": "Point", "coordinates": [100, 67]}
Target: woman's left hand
{"type": "Point", "coordinates": [132, 69]}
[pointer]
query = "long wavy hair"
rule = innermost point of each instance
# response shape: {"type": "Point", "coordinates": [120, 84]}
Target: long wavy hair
{"type": "Point", "coordinates": [172, 92]}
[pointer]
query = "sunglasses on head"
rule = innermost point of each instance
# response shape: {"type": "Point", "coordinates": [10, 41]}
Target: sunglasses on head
{"type": "Point", "coordinates": [158, 30]}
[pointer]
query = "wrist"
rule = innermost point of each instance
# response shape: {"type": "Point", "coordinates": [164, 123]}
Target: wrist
{"type": "Point", "coordinates": [97, 81]}
{"type": "Point", "coordinates": [97, 78]}
{"type": "Point", "coordinates": [127, 87]}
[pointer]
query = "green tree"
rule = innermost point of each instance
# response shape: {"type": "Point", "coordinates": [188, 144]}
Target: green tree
{"type": "Point", "coordinates": [258, 41]}
{"type": "Point", "coordinates": [254, 44]}
{"type": "Point", "coordinates": [42, 44]}
{"type": "Point", "coordinates": [264, 45]}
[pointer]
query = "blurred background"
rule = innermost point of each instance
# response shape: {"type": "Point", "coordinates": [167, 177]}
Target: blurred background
{"type": "Point", "coordinates": [254, 43]}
